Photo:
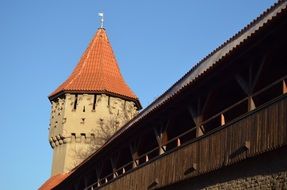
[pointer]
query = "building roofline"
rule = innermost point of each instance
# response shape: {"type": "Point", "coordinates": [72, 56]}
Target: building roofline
{"type": "Point", "coordinates": [61, 93]}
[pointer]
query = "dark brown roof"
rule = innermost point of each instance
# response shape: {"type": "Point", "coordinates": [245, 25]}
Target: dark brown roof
{"type": "Point", "coordinates": [97, 72]}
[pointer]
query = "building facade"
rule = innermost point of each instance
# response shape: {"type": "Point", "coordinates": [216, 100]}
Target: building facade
{"type": "Point", "coordinates": [223, 125]}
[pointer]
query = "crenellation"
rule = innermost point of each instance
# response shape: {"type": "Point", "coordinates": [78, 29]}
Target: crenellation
{"type": "Point", "coordinates": [64, 120]}
{"type": "Point", "coordinates": [78, 139]}
{"type": "Point", "coordinates": [61, 142]}
{"type": "Point", "coordinates": [83, 138]}
{"type": "Point", "coordinates": [67, 139]}
{"type": "Point", "coordinates": [57, 112]}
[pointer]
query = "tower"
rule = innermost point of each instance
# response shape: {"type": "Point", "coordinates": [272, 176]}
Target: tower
{"type": "Point", "coordinates": [94, 96]}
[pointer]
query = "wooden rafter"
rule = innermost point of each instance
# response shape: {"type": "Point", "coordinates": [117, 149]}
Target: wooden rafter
{"type": "Point", "coordinates": [197, 112]}
{"type": "Point", "coordinates": [134, 152]}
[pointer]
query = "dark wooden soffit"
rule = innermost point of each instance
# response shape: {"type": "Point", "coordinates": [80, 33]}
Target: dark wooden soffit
{"type": "Point", "coordinates": [198, 71]}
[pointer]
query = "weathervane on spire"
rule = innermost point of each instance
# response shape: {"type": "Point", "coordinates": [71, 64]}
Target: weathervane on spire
{"type": "Point", "coordinates": [102, 19]}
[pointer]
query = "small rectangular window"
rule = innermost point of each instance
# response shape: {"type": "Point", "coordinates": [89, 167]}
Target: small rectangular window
{"type": "Point", "coordinates": [109, 100]}
{"type": "Point", "coordinates": [94, 103]}
{"type": "Point", "coordinates": [73, 136]}
{"type": "Point", "coordinates": [76, 102]}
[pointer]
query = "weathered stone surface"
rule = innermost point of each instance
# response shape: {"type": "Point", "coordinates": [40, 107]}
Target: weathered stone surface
{"type": "Point", "coordinates": [275, 181]}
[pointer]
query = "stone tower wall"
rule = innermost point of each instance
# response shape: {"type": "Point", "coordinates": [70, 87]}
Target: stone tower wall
{"type": "Point", "coordinates": [76, 121]}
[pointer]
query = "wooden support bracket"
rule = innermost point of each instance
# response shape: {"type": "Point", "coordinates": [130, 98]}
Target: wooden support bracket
{"type": "Point", "coordinates": [191, 169]}
{"type": "Point", "coordinates": [243, 148]}
{"type": "Point", "coordinates": [284, 86]}
{"type": "Point", "coordinates": [134, 153]}
{"type": "Point", "coordinates": [246, 145]}
{"type": "Point", "coordinates": [198, 110]}
{"type": "Point", "coordinates": [243, 84]}
{"type": "Point", "coordinates": [178, 143]}
{"type": "Point", "coordinates": [222, 119]}
{"type": "Point", "coordinates": [251, 104]}
{"type": "Point", "coordinates": [99, 169]}
{"type": "Point", "coordinates": [146, 158]}
{"type": "Point", "coordinates": [114, 160]}
{"type": "Point", "coordinates": [161, 137]}
{"type": "Point", "coordinates": [153, 184]}
{"type": "Point", "coordinates": [257, 74]}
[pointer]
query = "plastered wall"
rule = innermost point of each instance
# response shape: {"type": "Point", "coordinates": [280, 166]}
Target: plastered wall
{"type": "Point", "coordinates": [76, 120]}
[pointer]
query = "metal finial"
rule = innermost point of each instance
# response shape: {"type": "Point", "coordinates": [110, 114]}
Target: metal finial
{"type": "Point", "coordinates": [102, 19]}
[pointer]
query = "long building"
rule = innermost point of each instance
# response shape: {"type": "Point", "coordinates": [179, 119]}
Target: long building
{"type": "Point", "coordinates": [223, 125]}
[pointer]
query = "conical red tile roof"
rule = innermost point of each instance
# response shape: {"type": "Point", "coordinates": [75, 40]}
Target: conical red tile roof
{"type": "Point", "coordinates": [97, 72]}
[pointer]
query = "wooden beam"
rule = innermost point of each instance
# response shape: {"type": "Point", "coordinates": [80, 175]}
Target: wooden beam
{"type": "Point", "coordinates": [154, 183]}
{"type": "Point", "coordinates": [222, 119]}
{"type": "Point", "coordinates": [197, 111]}
{"type": "Point", "coordinates": [178, 143]}
{"type": "Point", "coordinates": [157, 136]}
{"type": "Point", "coordinates": [166, 124]}
{"type": "Point", "coordinates": [246, 145]}
{"type": "Point", "coordinates": [162, 150]}
{"type": "Point", "coordinates": [134, 153]}
{"type": "Point", "coordinates": [246, 87]}
{"type": "Point", "coordinates": [85, 182]}
{"type": "Point", "coordinates": [249, 80]}
{"type": "Point", "coordinates": [251, 104]}
{"type": "Point", "coordinates": [191, 169]}
{"type": "Point", "coordinates": [193, 113]}
{"type": "Point", "coordinates": [257, 75]}
{"type": "Point", "coordinates": [161, 138]}
{"type": "Point", "coordinates": [284, 86]}
{"type": "Point", "coordinates": [99, 169]}
{"type": "Point", "coordinates": [146, 158]}
{"type": "Point", "coordinates": [249, 85]}
{"type": "Point", "coordinates": [242, 83]}
{"type": "Point", "coordinates": [200, 130]}
{"type": "Point", "coordinates": [114, 160]}
{"type": "Point", "coordinates": [196, 114]}
{"type": "Point", "coordinates": [206, 101]}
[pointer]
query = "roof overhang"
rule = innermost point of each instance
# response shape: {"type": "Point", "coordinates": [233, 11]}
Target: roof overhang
{"type": "Point", "coordinates": [63, 92]}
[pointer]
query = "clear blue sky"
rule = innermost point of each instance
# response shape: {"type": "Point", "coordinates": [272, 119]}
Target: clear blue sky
{"type": "Point", "coordinates": [155, 42]}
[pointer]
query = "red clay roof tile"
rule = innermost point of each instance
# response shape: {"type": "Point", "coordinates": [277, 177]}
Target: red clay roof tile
{"type": "Point", "coordinates": [53, 181]}
{"type": "Point", "coordinates": [97, 71]}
